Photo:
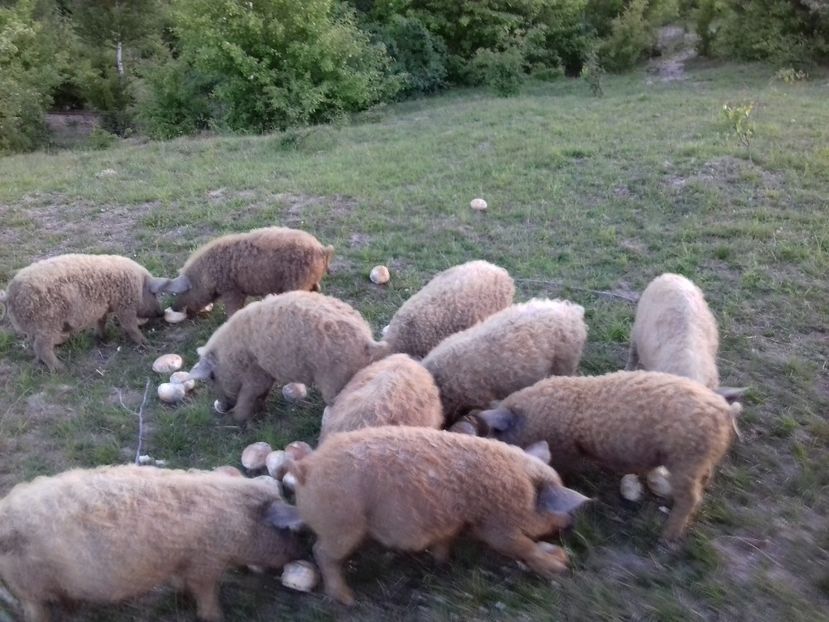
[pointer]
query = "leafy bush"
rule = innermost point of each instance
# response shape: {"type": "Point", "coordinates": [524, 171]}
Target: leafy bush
{"type": "Point", "coordinates": [266, 64]}
{"type": "Point", "coordinates": [418, 56]}
{"type": "Point", "coordinates": [547, 33]}
{"type": "Point", "coordinates": [790, 34]}
{"type": "Point", "coordinates": [28, 73]}
{"type": "Point", "coordinates": [502, 70]}
{"type": "Point", "coordinates": [631, 37]}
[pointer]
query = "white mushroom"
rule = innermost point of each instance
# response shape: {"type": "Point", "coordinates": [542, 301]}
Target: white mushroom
{"type": "Point", "coordinates": [298, 450]}
{"type": "Point", "coordinates": [289, 483]}
{"type": "Point", "coordinates": [659, 482]}
{"type": "Point", "coordinates": [478, 204]}
{"type": "Point", "coordinates": [253, 457]}
{"type": "Point", "coordinates": [167, 363]}
{"type": "Point", "coordinates": [183, 378]}
{"type": "Point", "coordinates": [174, 317]}
{"type": "Point", "coordinates": [631, 487]}
{"type": "Point", "coordinates": [294, 391]}
{"type": "Point", "coordinates": [379, 275]}
{"type": "Point", "coordinates": [275, 463]}
{"type": "Point", "coordinates": [171, 392]}
{"type": "Point", "coordinates": [300, 575]}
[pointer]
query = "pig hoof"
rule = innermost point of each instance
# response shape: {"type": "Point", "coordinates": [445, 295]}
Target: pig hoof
{"type": "Point", "coordinates": [344, 597]}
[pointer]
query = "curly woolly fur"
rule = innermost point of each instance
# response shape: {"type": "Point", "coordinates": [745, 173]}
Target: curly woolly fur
{"type": "Point", "coordinates": [628, 422]}
{"type": "Point", "coordinates": [415, 488]}
{"type": "Point", "coordinates": [113, 533]}
{"type": "Point", "coordinates": [263, 261]}
{"type": "Point", "coordinates": [507, 351]}
{"type": "Point", "coordinates": [291, 337]}
{"type": "Point", "coordinates": [396, 390]}
{"type": "Point", "coordinates": [452, 301]}
{"type": "Point", "coordinates": [52, 299]}
{"type": "Point", "coordinates": [675, 331]}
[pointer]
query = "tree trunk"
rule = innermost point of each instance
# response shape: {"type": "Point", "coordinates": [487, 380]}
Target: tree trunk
{"type": "Point", "coordinates": [119, 58]}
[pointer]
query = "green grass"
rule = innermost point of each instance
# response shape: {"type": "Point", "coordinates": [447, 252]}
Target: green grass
{"type": "Point", "coordinates": [585, 194]}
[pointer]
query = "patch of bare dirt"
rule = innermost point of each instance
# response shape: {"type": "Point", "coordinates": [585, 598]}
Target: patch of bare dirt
{"type": "Point", "coordinates": [50, 224]}
{"type": "Point", "coordinates": [725, 171]}
{"type": "Point", "coordinates": [677, 47]}
{"type": "Point", "coordinates": [298, 206]}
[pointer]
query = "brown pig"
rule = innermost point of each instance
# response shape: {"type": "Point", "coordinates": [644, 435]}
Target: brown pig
{"type": "Point", "coordinates": [113, 533]}
{"type": "Point", "coordinates": [415, 488]}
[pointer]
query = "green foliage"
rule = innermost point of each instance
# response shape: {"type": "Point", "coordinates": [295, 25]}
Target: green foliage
{"type": "Point", "coordinates": [739, 123]}
{"type": "Point", "coordinates": [101, 139]}
{"type": "Point", "coordinates": [547, 33]}
{"type": "Point", "coordinates": [101, 78]}
{"type": "Point", "coordinates": [631, 37]}
{"type": "Point", "coordinates": [790, 34]}
{"type": "Point", "coordinates": [593, 73]}
{"type": "Point", "coordinates": [29, 70]}
{"type": "Point", "coordinates": [267, 64]}
{"type": "Point", "coordinates": [418, 56]}
{"type": "Point", "coordinates": [175, 100]}
{"type": "Point", "coordinates": [790, 75]}
{"type": "Point", "coordinates": [501, 70]}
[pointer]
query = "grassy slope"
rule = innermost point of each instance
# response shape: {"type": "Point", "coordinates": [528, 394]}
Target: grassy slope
{"type": "Point", "coordinates": [595, 194]}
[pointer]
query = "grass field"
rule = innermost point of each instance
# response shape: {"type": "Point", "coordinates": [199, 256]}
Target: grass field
{"type": "Point", "coordinates": [585, 194]}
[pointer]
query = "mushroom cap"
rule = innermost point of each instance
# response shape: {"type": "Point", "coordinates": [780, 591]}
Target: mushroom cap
{"type": "Point", "coordinates": [379, 275]}
{"type": "Point", "coordinates": [167, 363]}
{"type": "Point", "coordinates": [253, 456]}
{"type": "Point", "coordinates": [171, 392]}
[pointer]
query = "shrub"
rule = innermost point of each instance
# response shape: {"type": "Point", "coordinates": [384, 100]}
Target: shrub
{"type": "Point", "coordinates": [466, 28]}
{"type": "Point", "coordinates": [28, 73]}
{"type": "Point", "coordinates": [790, 34]}
{"type": "Point", "coordinates": [418, 56]}
{"type": "Point", "coordinates": [630, 39]}
{"type": "Point", "coordinates": [266, 64]}
{"type": "Point", "coordinates": [502, 70]}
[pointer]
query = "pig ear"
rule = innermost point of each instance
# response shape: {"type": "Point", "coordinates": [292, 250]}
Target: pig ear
{"type": "Point", "coordinates": [732, 394]}
{"type": "Point", "coordinates": [540, 450]}
{"type": "Point", "coordinates": [203, 368]}
{"type": "Point", "coordinates": [157, 284]}
{"type": "Point", "coordinates": [498, 419]}
{"type": "Point", "coordinates": [560, 500]}
{"type": "Point", "coordinates": [283, 516]}
{"type": "Point", "coordinates": [178, 285]}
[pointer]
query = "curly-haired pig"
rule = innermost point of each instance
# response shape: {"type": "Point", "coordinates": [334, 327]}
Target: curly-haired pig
{"type": "Point", "coordinates": [54, 298]}
{"type": "Point", "coordinates": [508, 351]}
{"type": "Point", "coordinates": [675, 332]}
{"type": "Point", "coordinates": [113, 533]}
{"type": "Point", "coordinates": [628, 422]}
{"type": "Point", "coordinates": [292, 337]}
{"type": "Point", "coordinates": [414, 488]}
{"type": "Point", "coordinates": [263, 261]}
{"type": "Point", "coordinates": [396, 390]}
{"type": "Point", "coordinates": [453, 300]}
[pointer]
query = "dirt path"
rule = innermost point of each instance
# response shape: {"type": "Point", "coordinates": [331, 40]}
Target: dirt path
{"type": "Point", "coordinates": [677, 47]}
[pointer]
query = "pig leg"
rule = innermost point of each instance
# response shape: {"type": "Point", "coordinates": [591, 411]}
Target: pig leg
{"type": "Point", "coordinates": [44, 347]}
{"type": "Point", "coordinates": [35, 611]}
{"type": "Point", "coordinates": [513, 543]}
{"type": "Point", "coordinates": [204, 586]}
{"type": "Point", "coordinates": [633, 358]}
{"type": "Point", "coordinates": [251, 399]}
{"type": "Point", "coordinates": [687, 492]}
{"type": "Point", "coordinates": [441, 550]}
{"type": "Point", "coordinates": [128, 319]}
{"type": "Point", "coordinates": [101, 327]}
{"type": "Point", "coordinates": [233, 301]}
{"type": "Point", "coordinates": [330, 553]}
